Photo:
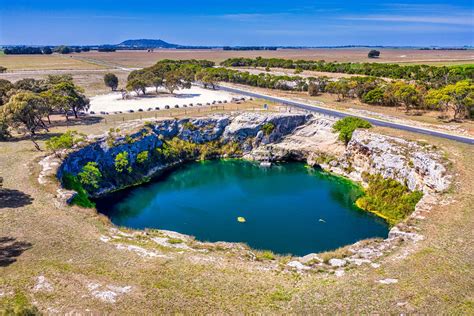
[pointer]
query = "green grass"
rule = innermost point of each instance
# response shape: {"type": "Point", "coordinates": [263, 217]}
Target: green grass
{"type": "Point", "coordinates": [71, 182]}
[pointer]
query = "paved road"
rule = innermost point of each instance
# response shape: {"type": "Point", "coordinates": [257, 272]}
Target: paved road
{"type": "Point", "coordinates": [336, 113]}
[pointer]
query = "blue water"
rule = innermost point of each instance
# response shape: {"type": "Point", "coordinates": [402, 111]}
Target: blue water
{"type": "Point", "coordinates": [289, 208]}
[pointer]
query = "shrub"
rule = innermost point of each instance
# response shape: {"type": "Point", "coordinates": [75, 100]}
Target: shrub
{"type": "Point", "coordinates": [121, 161]}
{"type": "Point", "coordinates": [313, 89]}
{"type": "Point", "coordinates": [265, 255]}
{"type": "Point", "coordinates": [174, 241]}
{"type": "Point", "coordinates": [348, 125]}
{"type": "Point", "coordinates": [71, 182]}
{"type": "Point", "coordinates": [64, 141]}
{"type": "Point", "coordinates": [375, 96]}
{"type": "Point", "coordinates": [111, 81]}
{"type": "Point", "coordinates": [268, 128]}
{"type": "Point", "coordinates": [142, 157]}
{"type": "Point", "coordinates": [90, 175]}
{"type": "Point", "coordinates": [388, 199]}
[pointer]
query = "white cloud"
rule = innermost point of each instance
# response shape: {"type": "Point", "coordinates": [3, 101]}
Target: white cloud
{"type": "Point", "coordinates": [455, 20]}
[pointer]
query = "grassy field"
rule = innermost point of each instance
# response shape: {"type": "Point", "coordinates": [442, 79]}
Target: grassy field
{"type": "Point", "coordinates": [44, 62]}
{"type": "Point", "coordinates": [63, 245]}
{"type": "Point", "coordinates": [145, 59]}
{"type": "Point", "coordinates": [91, 80]}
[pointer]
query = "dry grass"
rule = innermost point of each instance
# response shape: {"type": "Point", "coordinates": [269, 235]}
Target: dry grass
{"type": "Point", "coordinates": [145, 59]}
{"type": "Point", "coordinates": [92, 81]}
{"type": "Point", "coordinates": [65, 247]}
{"type": "Point", "coordinates": [44, 62]}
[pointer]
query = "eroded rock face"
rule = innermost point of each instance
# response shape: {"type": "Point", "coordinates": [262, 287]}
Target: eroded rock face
{"type": "Point", "coordinates": [419, 167]}
{"type": "Point", "coordinates": [245, 129]}
{"type": "Point", "coordinates": [293, 137]}
{"type": "Point", "coordinates": [250, 124]}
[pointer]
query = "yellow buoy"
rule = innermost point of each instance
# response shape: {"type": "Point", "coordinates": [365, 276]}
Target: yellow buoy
{"type": "Point", "coordinates": [241, 219]}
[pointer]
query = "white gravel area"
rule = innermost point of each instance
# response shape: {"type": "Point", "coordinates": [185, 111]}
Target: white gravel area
{"type": "Point", "coordinates": [113, 102]}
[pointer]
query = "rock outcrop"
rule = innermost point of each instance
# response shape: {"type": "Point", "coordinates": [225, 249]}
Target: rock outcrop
{"type": "Point", "coordinates": [292, 137]}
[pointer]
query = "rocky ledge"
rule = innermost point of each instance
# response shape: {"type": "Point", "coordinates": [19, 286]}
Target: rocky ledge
{"type": "Point", "coordinates": [267, 137]}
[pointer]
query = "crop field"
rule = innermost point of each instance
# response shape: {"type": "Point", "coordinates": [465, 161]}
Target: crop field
{"type": "Point", "coordinates": [144, 59]}
{"type": "Point", "coordinates": [44, 62]}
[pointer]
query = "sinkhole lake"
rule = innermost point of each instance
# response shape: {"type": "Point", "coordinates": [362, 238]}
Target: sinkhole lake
{"type": "Point", "coordinates": [289, 208]}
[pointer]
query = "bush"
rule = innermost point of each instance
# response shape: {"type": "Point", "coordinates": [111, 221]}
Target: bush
{"type": "Point", "coordinates": [65, 141]}
{"type": "Point", "coordinates": [348, 125]}
{"type": "Point", "coordinates": [388, 199]}
{"type": "Point", "coordinates": [268, 128]}
{"type": "Point", "coordinates": [375, 96]}
{"type": "Point", "coordinates": [90, 175]}
{"type": "Point", "coordinates": [121, 162]}
{"type": "Point", "coordinates": [142, 157]}
{"type": "Point", "coordinates": [71, 182]}
{"type": "Point", "coordinates": [373, 54]}
{"type": "Point", "coordinates": [313, 89]}
{"type": "Point", "coordinates": [111, 81]}
{"type": "Point", "coordinates": [265, 255]}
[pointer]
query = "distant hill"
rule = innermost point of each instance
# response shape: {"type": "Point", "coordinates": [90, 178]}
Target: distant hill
{"type": "Point", "coordinates": [146, 43]}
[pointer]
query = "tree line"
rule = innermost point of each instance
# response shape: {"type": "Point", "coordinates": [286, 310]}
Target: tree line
{"type": "Point", "coordinates": [435, 76]}
{"type": "Point", "coordinates": [458, 98]}
{"type": "Point", "coordinates": [26, 105]}
{"type": "Point", "coordinates": [29, 50]}
{"type": "Point", "coordinates": [170, 74]}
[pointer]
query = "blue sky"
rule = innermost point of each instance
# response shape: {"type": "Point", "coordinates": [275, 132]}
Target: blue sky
{"type": "Point", "coordinates": [239, 22]}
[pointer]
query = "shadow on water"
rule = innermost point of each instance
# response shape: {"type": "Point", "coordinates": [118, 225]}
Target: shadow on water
{"type": "Point", "coordinates": [10, 249]}
{"type": "Point", "coordinates": [10, 198]}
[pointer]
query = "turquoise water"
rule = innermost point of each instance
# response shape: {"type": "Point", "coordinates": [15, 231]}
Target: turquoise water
{"type": "Point", "coordinates": [289, 208]}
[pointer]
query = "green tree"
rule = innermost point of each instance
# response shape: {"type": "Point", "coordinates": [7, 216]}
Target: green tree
{"type": "Point", "coordinates": [458, 97]}
{"type": "Point", "coordinates": [47, 50]}
{"type": "Point", "coordinates": [407, 94]}
{"type": "Point", "coordinates": [30, 84]}
{"type": "Point", "coordinates": [5, 87]}
{"type": "Point", "coordinates": [375, 96]}
{"type": "Point", "coordinates": [24, 112]}
{"type": "Point", "coordinates": [111, 81]}
{"type": "Point", "coordinates": [121, 162]}
{"type": "Point", "coordinates": [63, 49]}
{"type": "Point", "coordinates": [172, 81]}
{"type": "Point", "coordinates": [138, 85]}
{"type": "Point", "coordinates": [65, 96]}
{"type": "Point", "coordinates": [348, 125]}
{"type": "Point", "coordinates": [142, 157]}
{"type": "Point", "coordinates": [90, 175]}
{"type": "Point", "coordinates": [373, 54]}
